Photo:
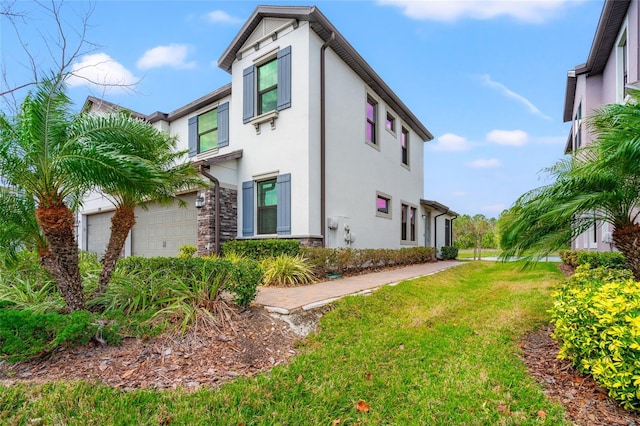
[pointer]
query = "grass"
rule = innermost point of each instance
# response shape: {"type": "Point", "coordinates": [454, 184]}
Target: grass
{"type": "Point", "coordinates": [468, 253]}
{"type": "Point", "coordinates": [436, 350]}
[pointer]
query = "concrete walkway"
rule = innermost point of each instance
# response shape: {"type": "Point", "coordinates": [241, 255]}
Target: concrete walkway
{"type": "Point", "coordinates": [286, 300]}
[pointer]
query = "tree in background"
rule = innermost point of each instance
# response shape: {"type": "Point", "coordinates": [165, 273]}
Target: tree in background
{"type": "Point", "coordinates": [475, 232]}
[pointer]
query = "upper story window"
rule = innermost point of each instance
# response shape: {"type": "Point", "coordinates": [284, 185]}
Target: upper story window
{"type": "Point", "coordinates": [390, 124]}
{"type": "Point", "coordinates": [209, 130]}
{"type": "Point", "coordinates": [622, 64]}
{"type": "Point", "coordinates": [266, 86]}
{"type": "Point", "coordinates": [370, 127]}
{"type": "Point", "coordinates": [577, 128]}
{"type": "Point", "coordinates": [404, 146]}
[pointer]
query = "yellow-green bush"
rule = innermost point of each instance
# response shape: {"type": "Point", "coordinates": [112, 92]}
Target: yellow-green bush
{"type": "Point", "coordinates": [597, 322]}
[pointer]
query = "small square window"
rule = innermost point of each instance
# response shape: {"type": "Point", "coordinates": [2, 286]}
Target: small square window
{"type": "Point", "coordinates": [383, 205]}
{"type": "Point", "coordinates": [390, 124]}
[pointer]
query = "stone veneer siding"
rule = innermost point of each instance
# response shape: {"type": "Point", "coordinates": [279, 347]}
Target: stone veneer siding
{"type": "Point", "coordinates": [228, 220]}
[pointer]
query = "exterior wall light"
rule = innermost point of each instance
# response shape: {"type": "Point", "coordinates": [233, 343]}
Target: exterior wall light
{"type": "Point", "coordinates": [199, 202]}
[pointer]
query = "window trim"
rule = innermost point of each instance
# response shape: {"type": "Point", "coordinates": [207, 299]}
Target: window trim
{"type": "Point", "coordinates": [199, 134]}
{"type": "Point", "coordinates": [391, 130]}
{"type": "Point", "coordinates": [387, 197]}
{"type": "Point", "coordinates": [374, 124]}
{"type": "Point", "coordinates": [262, 208]}
{"type": "Point", "coordinates": [260, 93]}
{"type": "Point", "coordinates": [405, 132]}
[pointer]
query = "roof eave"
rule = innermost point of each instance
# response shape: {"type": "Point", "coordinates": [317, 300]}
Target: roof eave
{"type": "Point", "coordinates": [324, 28]}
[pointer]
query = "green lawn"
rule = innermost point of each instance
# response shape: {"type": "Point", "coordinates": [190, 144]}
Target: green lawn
{"type": "Point", "coordinates": [467, 254]}
{"type": "Point", "coordinates": [439, 350]}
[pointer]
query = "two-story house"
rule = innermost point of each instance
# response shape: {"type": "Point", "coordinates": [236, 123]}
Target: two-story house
{"type": "Point", "coordinates": [612, 68]}
{"type": "Point", "coordinates": [306, 142]}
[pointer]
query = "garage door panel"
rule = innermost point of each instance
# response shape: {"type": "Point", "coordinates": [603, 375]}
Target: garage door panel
{"type": "Point", "coordinates": [161, 230]}
{"type": "Point", "coordinates": [98, 232]}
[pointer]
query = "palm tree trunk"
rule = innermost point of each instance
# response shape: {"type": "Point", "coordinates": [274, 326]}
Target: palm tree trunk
{"type": "Point", "coordinates": [627, 240]}
{"type": "Point", "coordinates": [57, 222]}
{"type": "Point", "coordinates": [121, 223]}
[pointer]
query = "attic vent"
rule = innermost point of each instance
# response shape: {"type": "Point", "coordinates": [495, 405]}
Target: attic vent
{"type": "Point", "coordinates": [265, 28]}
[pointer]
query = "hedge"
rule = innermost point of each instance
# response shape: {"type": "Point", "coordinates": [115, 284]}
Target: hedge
{"type": "Point", "coordinates": [348, 261]}
{"type": "Point", "coordinates": [260, 249]}
{"type": "Point", "coordinates": [609, 259]}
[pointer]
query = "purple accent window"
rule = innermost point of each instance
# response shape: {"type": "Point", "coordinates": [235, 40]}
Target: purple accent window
{"type": "Point", "coordinates": [403, 223]}
{"type": "Point", "coordinates": [370, 129]}
{"type": "Point", "coordinates": [390, 124]}
{"type": "Point", "coordinates": [404, 143]}
{"type": "Point", "coordinates": [412, 223]}
{"type": "Point", "coordinates": [382, 204]}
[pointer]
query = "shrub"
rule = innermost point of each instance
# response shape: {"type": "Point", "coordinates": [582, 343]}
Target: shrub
{"type": "Point", "coordinates": [148, 282]}
{"type": "Point", "coordinates": [260, 249]}
{"type": "Point", "coordinates": [597, 322]}
{"type": "Point", "coordinates": [186, 251]}
{"type": "Point", "coordinates": [286, 271]}
{"type": "Point", "coordinates": [610, 259]}
{"type": "Point", "coordinates": [325, 261]}
{"type": "Point", "coordinates": [448, 252]}
{"type": "Point", "coordinates": [24, 333]}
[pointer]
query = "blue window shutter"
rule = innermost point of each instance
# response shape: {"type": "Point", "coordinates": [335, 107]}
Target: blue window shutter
{"type": "Point", "coordinates": [284, 78]}
{"type": "Point", "coordinates": [248, 94]}
{"type": "Point", "coordinates": [193, 136]}
{"type": "Point", "coordinates": [247, 208]}
{"type": "Point", "coordinates": [223, 125]}
{"type": "Point", "coordinates": [284, 204]}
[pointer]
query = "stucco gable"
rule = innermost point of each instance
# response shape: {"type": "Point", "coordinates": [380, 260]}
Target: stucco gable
{"type": "Point", "coordinates": [265, 28]}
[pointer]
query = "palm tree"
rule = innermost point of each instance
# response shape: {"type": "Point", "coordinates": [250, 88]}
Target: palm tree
{"type": "Point", "coordinates": [160, 149]}
{"type": "Point", "coordinates": [54, 156]}
{"type": "Point", "coordinates": [547, 218]}
{"type": "Point", "coordinates": [19, 229]}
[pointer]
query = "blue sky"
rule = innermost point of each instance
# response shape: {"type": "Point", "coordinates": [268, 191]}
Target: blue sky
{"type": "Point", "coordinates": [487, 78]}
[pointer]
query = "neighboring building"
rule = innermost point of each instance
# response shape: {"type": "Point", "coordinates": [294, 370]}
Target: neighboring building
{"type": "Point", "coordinates": [612, 68]}
{"type": "Point", "coordinates": [306, 142]}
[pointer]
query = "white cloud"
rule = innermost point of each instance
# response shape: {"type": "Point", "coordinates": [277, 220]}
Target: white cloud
{"type": "Point", "coordinates": [99, 69]}
{"type": "Point", "coordinates": [450, 142]}
{"type": "Point", "coordinates": [482, 163]}
{"type": "Point", "coordinates": [221, 17]}
{"type": "Point", "coordinates": [530, 11]}
{"type": "Point", "coordinates": [486, 80]}
{"type": "Point", "coordinates": [173, 55]}
{"type": "Point", "coordinates": [508, 137]}
{"type": "Point", "coordinates": [459, 194]}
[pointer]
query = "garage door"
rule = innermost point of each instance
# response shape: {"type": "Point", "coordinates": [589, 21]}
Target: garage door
{"type": "Point", "coordinates": [98, 231]}
{"type": "Point", "coordinates": [160, 230]}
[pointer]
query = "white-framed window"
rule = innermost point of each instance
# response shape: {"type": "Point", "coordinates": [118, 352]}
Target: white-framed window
{"type": "Point", "coordinates": [390, 123]}
{"type": "Point", "coordinates": [577, 128]}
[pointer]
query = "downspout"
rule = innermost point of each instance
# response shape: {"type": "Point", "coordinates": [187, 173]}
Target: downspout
{"type": "Point", "coordinates": [435, 231]}
{"type": "Point", "coordinates": [216, 208]}
{"type": "Point", "coordinates": [323, 206]}
{"type": "Point", "coordinates": [451, 230]}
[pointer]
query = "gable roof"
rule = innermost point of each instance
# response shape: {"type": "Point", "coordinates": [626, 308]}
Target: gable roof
{"type": "Point", "coordinates": [109, 106]}
{"type": "Point", "coordinates": [324, 29]}
{"type": "Point", "coordinates": [438, 207]}
{"type": "Point", "coordinates": [611, 20]}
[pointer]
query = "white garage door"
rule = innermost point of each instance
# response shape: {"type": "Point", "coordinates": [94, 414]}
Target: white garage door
{"type": "Point", "coordinates": [160, 230]}
{"type": "Point", "coordinates": [98, 231]}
